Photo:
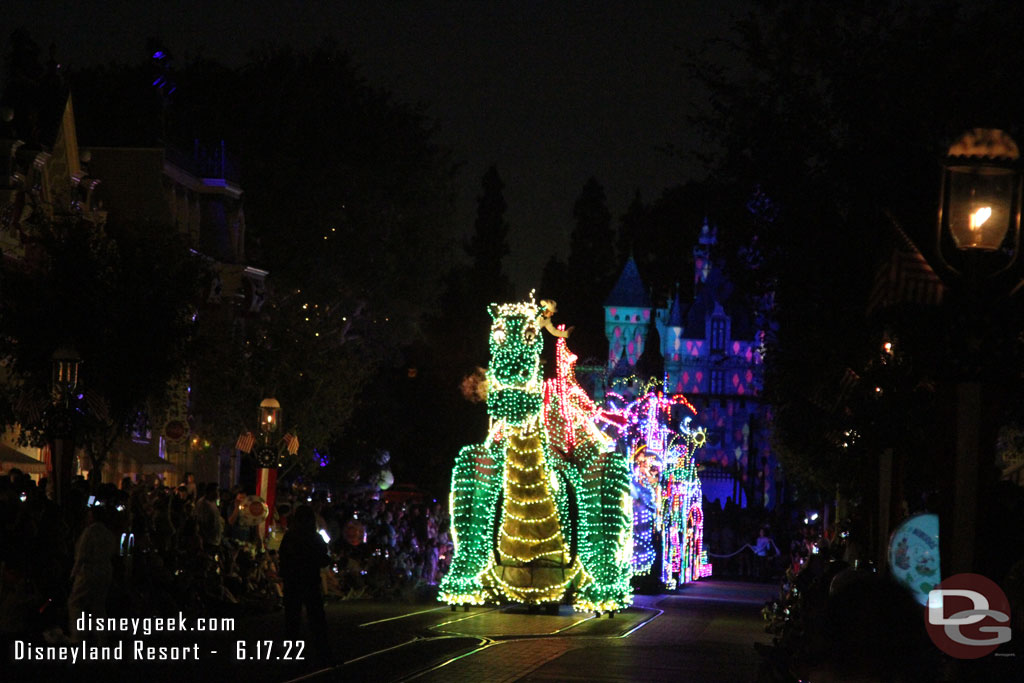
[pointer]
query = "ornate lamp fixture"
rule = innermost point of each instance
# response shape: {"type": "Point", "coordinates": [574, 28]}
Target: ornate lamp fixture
{"type": "Point", "coordinates": [979, 208]}
{"type": "Point", "coordinates": [270, 415]}
{"type": "Point", "coordinates": [66, 362]}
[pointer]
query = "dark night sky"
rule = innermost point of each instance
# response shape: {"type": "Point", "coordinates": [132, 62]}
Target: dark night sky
{"type": "Point", "coordinates": [552, 93]}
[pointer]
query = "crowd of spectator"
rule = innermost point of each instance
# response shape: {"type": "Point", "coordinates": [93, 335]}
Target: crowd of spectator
{"type": "Point", "coordinates": [146, 549]}
{"type": "Point", "coordinates": [386, 549]}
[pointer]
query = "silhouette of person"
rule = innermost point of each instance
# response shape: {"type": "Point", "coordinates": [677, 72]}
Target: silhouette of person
{"type": "Point", "coordinates": [302, 554]}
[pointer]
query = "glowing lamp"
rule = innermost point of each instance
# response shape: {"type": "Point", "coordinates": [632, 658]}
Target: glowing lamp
{"type": "Point", "coordinates": [65, 370]}
{"type": "Point", "coordinates": [981, 188]}
{"type": "Point", "coordinates": [270, 415]}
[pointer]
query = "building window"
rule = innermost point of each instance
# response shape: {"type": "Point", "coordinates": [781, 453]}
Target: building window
{"type": "Point", "coordinates": [717, 382]}
{"type": "Point", "coordinates": [717, 335]}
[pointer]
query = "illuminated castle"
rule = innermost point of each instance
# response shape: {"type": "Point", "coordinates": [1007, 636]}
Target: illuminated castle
{"type": "Point", "coordinates": [708, 349]}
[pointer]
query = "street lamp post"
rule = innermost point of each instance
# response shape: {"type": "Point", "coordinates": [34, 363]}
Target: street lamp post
{"type": "Point", "coordinates": [268, 456]}
{"type": "Point", "coordinates": [978, 240]}
{"type": "Point", "coordinates": [64, 379]}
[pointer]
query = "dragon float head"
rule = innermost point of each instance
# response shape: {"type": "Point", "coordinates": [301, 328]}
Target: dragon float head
{"type": "Point", "coordinates": [515, 385]}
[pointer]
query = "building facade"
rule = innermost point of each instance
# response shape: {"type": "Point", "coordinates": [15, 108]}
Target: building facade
{"type": "Point", "coordinates": [198, 195]}
{"type": "Point", "coordinates": [48, 176]}
{"type": "Point", "coordinates": [195, 194]}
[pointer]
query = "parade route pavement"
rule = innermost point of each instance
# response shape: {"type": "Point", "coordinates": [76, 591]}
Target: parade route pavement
{"type": "Point", "coordinates": [702, 632]}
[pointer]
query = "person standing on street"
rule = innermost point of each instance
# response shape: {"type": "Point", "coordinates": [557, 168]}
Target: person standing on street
{"type": "Point", "coordinates": [93, 571]}
{"type": "Point", "coordinates": [209, 519]}
{"type": "Point", "coordinates": [303, 554]}
{"type": "Point", "coordinates": [765, 551]}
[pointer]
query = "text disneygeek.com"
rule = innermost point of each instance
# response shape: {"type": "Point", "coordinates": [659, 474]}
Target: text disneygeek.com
{"type": "Point", "coordinates": [110, 629]}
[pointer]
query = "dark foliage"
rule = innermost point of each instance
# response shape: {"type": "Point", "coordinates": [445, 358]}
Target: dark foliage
{"type": "Point", "coordinates": [123, 298]}
{"type": "Point", "coordinates": [839, 116]}
{"type": "Point", "coordinates": [348, 205]}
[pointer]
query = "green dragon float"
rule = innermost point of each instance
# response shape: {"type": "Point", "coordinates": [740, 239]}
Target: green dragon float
{"type": "Point", "coordinates": [541, 510]}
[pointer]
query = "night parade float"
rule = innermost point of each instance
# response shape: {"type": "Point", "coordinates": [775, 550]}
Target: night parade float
{"type": "Point", "coordinates": [668, 516]}
{"type": "Point", "coordinates": [543, 511]}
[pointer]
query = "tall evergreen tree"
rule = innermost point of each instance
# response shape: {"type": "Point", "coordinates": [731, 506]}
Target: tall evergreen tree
{"type": "Point", "coordinates": [664, 246]}
{"type": "Point", "coordinates": [489, 243]}
{"type": "Point", "coordinates": [33, 92]}
{"type": "Point", "coordinates": [487, 248]}
{"type": "Point", "coordinates": [631, 224]}
{"type": "Point", "coordinates": [457, 339]}
{"type": "Point", "coordinates": [591, 272]}
{"type": "Point", "coordinates": [462, 319]}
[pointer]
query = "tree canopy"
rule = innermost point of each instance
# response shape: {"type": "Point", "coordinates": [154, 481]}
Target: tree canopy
{"type": "Point", "coordinates": [123, 297]}
{"type": "Point", "coordinates": [348, 205]}
{"type": "Point", "coordinates": [839, 116]}
{"type": "Point", "coordinates": [589, 273]}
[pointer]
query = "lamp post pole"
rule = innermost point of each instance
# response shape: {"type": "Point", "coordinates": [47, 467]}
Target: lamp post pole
{"type": "Point", "coordinates": [966, 471]}
{"type": "Point", "coordinates": [267, 457]}
{"type": "Point", "coordinates": [978, 239]}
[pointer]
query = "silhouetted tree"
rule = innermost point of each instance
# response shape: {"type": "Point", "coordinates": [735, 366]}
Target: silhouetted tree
{"type": "Point", "coordinates": [591, 271]}
{"type": "Point", "coordinates": [349, 205]}
{"type": "Point", "coordinates": [665, 234]}
{"type": "Point", "coordinates": [839, 117]}
{"type": "Point", "coordinates": [488, 245]}
{"type": "Point", "coordinates": [33, 90]}
{"type": "Point", "coordinates": [457, 342]}
{"type": "Point", "coordinates": [123, 297]}
{"type": "Point", "coordinates": [487, 248]}
{"type": "Point", "coordinates": [631, 224]}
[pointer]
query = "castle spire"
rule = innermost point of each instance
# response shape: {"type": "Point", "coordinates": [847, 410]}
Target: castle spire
{"type": "Point", "coordinates": [629, 290]}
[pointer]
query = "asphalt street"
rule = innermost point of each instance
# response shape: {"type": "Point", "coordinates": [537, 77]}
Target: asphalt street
{"type": "Point", "coordinates": [702, 632]}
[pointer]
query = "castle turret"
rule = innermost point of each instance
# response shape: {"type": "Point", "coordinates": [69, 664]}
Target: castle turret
{"type": "Point", "coordinates": [627, 314]}
{"type": "Point", "coordinates": [672, 344]}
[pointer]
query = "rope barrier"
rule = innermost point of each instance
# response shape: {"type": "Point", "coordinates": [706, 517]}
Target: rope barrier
{"type": "Point", "coordinates": [752, 548]}
{"type": "Point", "coordinates": [711, 554]}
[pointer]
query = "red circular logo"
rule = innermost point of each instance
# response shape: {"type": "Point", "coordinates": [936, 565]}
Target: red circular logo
{"type": "Point", "coordinates": [968, 616]}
